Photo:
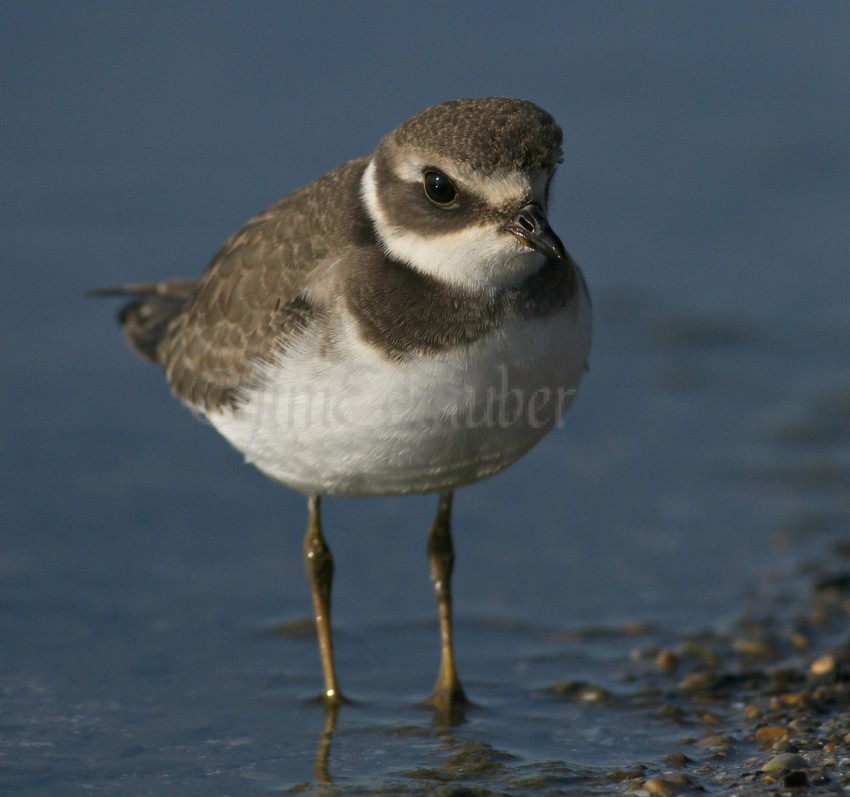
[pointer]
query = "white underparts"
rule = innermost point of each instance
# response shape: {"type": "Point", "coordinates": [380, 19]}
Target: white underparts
{"type": "Point", "coordinates": [349, 421]}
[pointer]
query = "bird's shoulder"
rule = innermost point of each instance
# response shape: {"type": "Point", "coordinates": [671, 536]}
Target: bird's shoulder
{"type": "Point", "coordinates": [256, 292]}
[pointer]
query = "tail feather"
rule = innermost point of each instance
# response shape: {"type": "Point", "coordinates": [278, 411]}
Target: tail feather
{"type": "Point", "coordinates": [146, 319]}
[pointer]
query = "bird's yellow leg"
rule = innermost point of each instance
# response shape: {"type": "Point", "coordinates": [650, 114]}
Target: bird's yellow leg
{"type": "Point", "coordinates": [448, 693]}
{"type": "Point", "coordinates": [320, 572]}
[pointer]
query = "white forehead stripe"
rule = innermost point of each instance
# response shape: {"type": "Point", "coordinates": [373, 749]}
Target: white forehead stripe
{"type": "Point", "coordinates": [474, 258]}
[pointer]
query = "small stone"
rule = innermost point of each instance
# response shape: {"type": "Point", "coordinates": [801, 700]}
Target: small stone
{"type": "Point", "coordinates": [721, 752]}
{"type": "Point", "coordinates": [666, 661]}
{"type": "Point", "coordinates": [770, 733]}
{"type": "Point", "coordinates": [823, 666]}
{"type": "Point", "coordinates": [628, 774]}
{"type": "Point", "coordinates": [582, 692]}
{"type": "Point", "coordinates": [659, 786]}
{"type": "Point", "coordinates": [799, 725]}
{"type": "Point", "coordinates": [699, 682]}
{"type": "Point", "coordinates": [785, 762]}
{"type": "Point", "coordinates": [712, 740]}
{"type": "Point", "coordinates": [752, 712]}
{"type": "Point", "coordinates": [676, 759]}
{"type": "Point", "coordinates": [755, 648]}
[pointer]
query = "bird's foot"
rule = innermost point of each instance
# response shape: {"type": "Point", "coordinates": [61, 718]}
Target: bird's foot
{"type": "Point", "coordinates": [449, 703]}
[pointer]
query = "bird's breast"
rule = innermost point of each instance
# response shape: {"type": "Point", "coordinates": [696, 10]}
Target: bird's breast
{"type": "Point", "coordinates": [348, 420]}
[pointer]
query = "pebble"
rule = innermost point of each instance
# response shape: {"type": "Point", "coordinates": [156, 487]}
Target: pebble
{"type": "Point", "coordinates": [582, 692]}
{"type": "Point", "coordinates": [699, 682]}
{"type": "Point", "coordinates": [770, 733]}
{"type": "Point", "coordinates": [823, 666]}
{"type": "Point", "coordinates": [666, 661]}
{"type": "Point", "coordinates": [660, 786]}
{"type": "Point", "coordinates": [713, 740]}
{"type": "Point", "coordinates": [755, 649]}
{"type": "Point", "coordinates": [785, 762]}
{"type": "Point", "coordinates": [800, 725]}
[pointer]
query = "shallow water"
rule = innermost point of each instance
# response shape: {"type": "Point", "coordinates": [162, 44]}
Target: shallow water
{"type": "Point", "coordinates": [153, 604]}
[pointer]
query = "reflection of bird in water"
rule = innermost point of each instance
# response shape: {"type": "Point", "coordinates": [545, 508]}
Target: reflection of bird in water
{"type": "Point", "coordinates": [323, 748]}
{"type": "Point", "coordinates": [407, 323]}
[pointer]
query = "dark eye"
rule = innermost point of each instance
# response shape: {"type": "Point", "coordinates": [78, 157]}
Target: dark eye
{"type": "Point", "coordinates": [438, 188]}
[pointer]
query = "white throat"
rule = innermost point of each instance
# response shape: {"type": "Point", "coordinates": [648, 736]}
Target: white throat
{"type": "Point", "coordinates": [476, 258]}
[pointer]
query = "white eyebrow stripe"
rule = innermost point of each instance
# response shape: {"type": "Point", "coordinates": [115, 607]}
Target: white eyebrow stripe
{"type": "Point", "coordinates": [503, 189]}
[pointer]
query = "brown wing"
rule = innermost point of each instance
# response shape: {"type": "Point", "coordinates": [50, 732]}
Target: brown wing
{"type": "Point", "coordinates": [252, 299]}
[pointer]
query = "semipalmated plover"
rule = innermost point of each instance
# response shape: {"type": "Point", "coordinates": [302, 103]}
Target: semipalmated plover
{"type": "Point", "coordinates": [408, 323]}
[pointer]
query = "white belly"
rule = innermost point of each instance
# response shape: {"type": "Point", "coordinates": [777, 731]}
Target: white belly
{"type": "Point", "coordinates": [351, 422]}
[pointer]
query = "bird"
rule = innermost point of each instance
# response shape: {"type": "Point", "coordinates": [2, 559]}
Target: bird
{"type": "Point", "coordinates": [407, 323]}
